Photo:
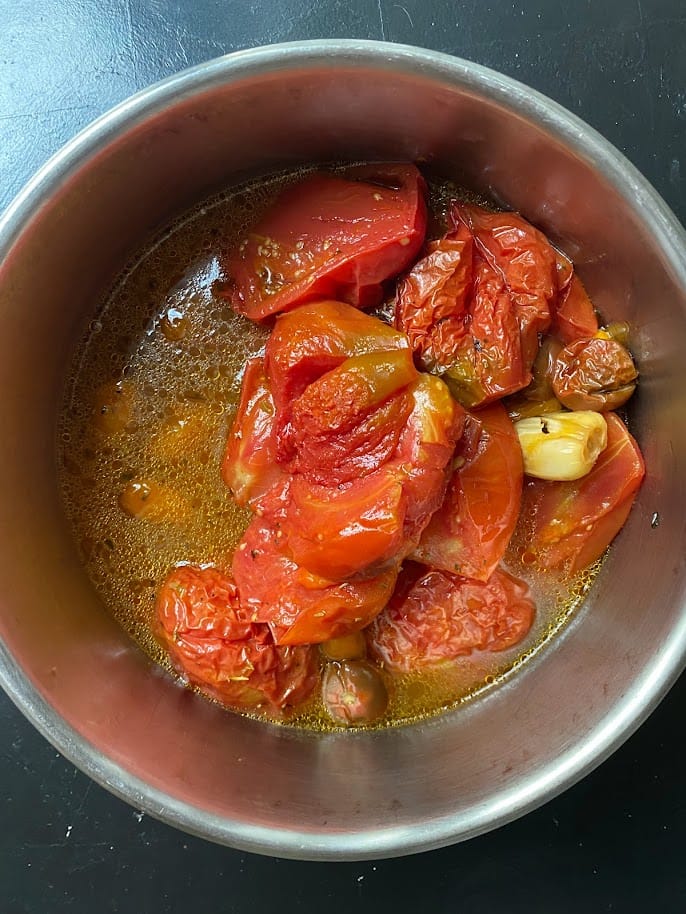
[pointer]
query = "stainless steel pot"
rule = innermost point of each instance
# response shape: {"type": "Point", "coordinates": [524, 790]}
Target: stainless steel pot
{"type": "Point", "coordinates": [73, 672]}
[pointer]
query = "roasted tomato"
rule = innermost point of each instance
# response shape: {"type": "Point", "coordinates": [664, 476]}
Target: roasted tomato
{"type": "Point", "coordinates": [348, 422]}
{"type": "Point", "coordinates": [575, 522]}
{"type": "Point", "coordinates": [574, 316]}
{"type": "Point", "coordinates": [488, 364]}
{"type": "Point", "coordinates": [216, 649]}
{"type": "Point", "coordinates": [525, 259]}
{"type": "Point", "coordinates": [301, 607]}
{"type": "Point", "coordinates": [250, 466]}
{"type": "Point", "coordinates": [596, 374]}
{"type": "Point", "coordinates": [316, 338]}
{"type": "Point", "coordinates": [353, 693]}
{"type": "Point", "coordinates": [460, 316]}
{"type": "Point", "coordinates": [436, 617]}
{"type": "Point", "coordinates": [337, 531]}
{"type": "Point", "coordinates": [330, 236]}
{"type": "Point", "coordinates": [335, 459]}
{"type": "Point", "coordinates": [470, 532]}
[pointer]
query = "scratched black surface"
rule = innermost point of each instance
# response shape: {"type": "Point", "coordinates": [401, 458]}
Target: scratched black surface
{"type": "Point", "coordinates": [616, 841]}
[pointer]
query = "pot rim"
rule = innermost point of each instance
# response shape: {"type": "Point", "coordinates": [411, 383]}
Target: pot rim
{"type": "Point", "coordinates": [653, 682]}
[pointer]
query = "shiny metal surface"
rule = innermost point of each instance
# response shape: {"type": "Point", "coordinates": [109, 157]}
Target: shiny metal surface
{"type": "Point", "coordinates": [70, 668]}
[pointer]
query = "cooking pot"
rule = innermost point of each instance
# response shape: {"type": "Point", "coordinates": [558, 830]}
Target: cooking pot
{"type": "Point", "coordinates": [94, 694]}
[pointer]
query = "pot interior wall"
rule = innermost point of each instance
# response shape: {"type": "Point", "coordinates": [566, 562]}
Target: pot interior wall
{"type": "Point", "coordinates": [216, 773]}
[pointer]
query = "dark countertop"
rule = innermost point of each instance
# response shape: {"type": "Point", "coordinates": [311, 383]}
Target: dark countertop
{"type": "Point", "coordinates": [614, 842]}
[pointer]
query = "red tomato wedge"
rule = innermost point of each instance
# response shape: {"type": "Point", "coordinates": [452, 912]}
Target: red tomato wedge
{"type": "Point", "coordinates": [575, 522]}
{"type": "Point", "coordinates": [336, 532]}
{"type": "Point", "coordinates": [330, 236]}
{"type": "Point", "coordinates": [436, 617]}
{"type": "Point", "coordinates": [426, 446]}
{"type": "Point", "coordinates": [574, 316]}
{"type": "Point", "coordinates": [525, 259]}
{"type": "Point", "coordinates": [316, 338]}
{"type": "Point", "coordinates": [470, 532]}
{"type": "Point", "coordinates": [300, 607]}
{"type": "Point", "coordinates": [235, 661]}
{"type": "Point", "coordinates": [250, 465]}
{"type": "Point", "coordinates": [347, 423]}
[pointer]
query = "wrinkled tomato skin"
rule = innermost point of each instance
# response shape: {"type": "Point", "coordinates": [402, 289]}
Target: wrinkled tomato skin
{"type": "Point", "coordinates": [525, 259]}
{"type": "Point", "coordinates": [330, 459]}
{"type": "Point", "coordinates": [249, 467]}
{"type": "Point", "coordinates": [347, 424]}
{"type": "Point", "coordinates": [459, 316]}
{"type": "Point", "coordinates": [476, 304]}
{"type": "Point", "coordinates": [330, 236]}
{"type": "Point", "coordinates": [210, 642]}
{"type": "Point", "coordinates": [432, 299]}
{"type": "Point", "coordinates": [317, 338]}
{"type": "Point", "coordinates": [438, 617]}
{"type": "Point", "coordinates": [574, 316]}
{"type": "Point", "coordinates": [361, 525]}
{"type": "Point", "coordinates": [596, 374]}
{"type": "Point", "coordinates": [470, 532]}
{"type": "Point", "coordinates": [338, 400]}
{"type": "Point", "coordinates": [575, 522]}
{"type": "Point", "coordinates": [301, 607]}
{"type": "Point", "coordinates": [488, 364]}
